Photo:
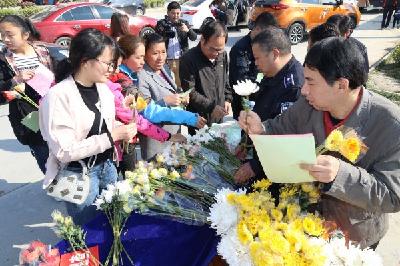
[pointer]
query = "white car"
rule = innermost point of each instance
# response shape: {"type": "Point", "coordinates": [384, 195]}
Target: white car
{"type": "Point", "coordinates": [195, 11]}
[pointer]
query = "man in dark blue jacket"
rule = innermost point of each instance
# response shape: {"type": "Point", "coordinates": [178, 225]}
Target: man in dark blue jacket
{"type": "Point", "coordinates": [241, 59]}
{"type": "Point", "coordinates": [279, 89]}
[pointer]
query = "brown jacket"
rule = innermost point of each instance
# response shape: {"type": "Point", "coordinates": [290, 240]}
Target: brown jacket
{"type": "Point", "coordinates": [361, 194]}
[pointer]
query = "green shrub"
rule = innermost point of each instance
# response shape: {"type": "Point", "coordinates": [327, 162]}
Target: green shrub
{"type": "Point", "coordinates": [147, 3]}
{"type": "Point", "coordinates": [396, 55]}
{"type": "Point", "coordinates": [25, 12]}
{"type": "Point", "coordinates": [9, 3]}
{"type": "Point", "coordinates": [29, 11]}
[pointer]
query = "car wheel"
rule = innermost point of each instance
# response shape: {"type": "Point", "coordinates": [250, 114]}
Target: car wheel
{"type": "Point", "coordinates": [145, 31]}
{"type": "Point", "coordinates": [296, 33]}
{"type": "Point", "coordinates": [139, 12]}
{"type": "Point", "coordinates": [63, 41]}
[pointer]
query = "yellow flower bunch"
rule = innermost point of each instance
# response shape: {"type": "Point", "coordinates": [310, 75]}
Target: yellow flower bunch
{"type": "Point", "coordinates": [278, 235]}
{"type": "Point", "coordinates": [345, 141]}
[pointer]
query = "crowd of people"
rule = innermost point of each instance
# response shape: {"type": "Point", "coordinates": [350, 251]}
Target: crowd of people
{"type": "Point", "coordinates": [86, 120]}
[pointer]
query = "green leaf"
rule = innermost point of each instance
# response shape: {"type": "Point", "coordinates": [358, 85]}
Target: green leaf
{"type": "Point", "coordinates": [31, 121]}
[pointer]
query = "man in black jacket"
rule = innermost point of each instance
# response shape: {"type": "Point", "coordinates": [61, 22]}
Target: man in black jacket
{"type": "Point", "coordinates": [279, 89]}
{"type": "Point", "coordinates": [176, 32]}
{"type": "Point", "coordinates": [204, 69]}
{"type": "Point", "coordinates": [241, 58]}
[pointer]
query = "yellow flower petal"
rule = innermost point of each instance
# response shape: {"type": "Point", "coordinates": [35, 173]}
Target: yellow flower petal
{"type": "Point", "coordinates": [334, 140]}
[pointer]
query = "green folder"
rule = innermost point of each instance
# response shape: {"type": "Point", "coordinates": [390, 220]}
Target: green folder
{"type": "Point", "coordinates": [31, 121]}
{"type": "Point", "coordinates": [281, 156]}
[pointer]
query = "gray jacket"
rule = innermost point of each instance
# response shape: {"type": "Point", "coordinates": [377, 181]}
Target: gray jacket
{"type": "Point", "coordinates": [362, 194]}
{"type": "Point", "coordinates": [155, 87]}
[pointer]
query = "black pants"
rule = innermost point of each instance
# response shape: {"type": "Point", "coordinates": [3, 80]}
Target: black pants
{"type": "Point", "coordinates": [396, 20]}
{"type": "Point", "coordinates": [129, 160]}
{"type": "Point", "coordinates": [387, 16]}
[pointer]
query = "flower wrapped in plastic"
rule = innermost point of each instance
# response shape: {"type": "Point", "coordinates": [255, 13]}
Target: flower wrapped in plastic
{"type": "Point", "coordinates": [207, 158]}
{"type": "Point", "coordinates": [39, 254]}
{"type": "Point", "coordinates": [165, 193]}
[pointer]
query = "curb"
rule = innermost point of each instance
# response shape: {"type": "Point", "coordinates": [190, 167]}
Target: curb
{"type": "Point", "coordinates": [383, 58]}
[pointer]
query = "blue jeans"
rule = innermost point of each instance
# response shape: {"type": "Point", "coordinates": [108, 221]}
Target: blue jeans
{"type": "Point", "coordinates": [41, 153]}
{"type": "Point", "coordinates": [100, 176]}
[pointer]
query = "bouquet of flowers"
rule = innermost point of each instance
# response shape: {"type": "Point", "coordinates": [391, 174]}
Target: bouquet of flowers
{"type": "Point", "coordinates": [165, 192]}
{"type": "Point", "coordinates": [207, 158]}
{"type": "Point", "coordinates": [65, 228]}
{"type": "Point", "coordinates": [254, 231]}
{"type": "Point", "coordinates": [113, 201]}
{"type": "Point", "coordinates": [39, 254]}
{"type": "Point", "coordinates": [345, 141]}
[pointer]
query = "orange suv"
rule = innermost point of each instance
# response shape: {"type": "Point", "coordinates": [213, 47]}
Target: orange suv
{"type": "Point", "coordinates": [299, 16]}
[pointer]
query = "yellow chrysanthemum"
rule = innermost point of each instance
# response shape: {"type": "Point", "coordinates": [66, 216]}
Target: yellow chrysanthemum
{"type": "Point", "coordinates": [262, 184]}
{"type": "Point", "coordinates": [163, 171]}
{"type": "Point", "coordinates": [276, 214]}
{"type": "Point", "coordinates": [313, 226]}
{"type": "Point", "coordinates": [295, 238]}
{"type": "Point", "coordinates": [259, 255]}
{"type": "Point", "coordinates": [293, 259]}
{"type": "Point", "coordinates": [292, 211]}
{"type": "Point", "coordinates": [279, 245]}
{"type": "Point", "coordinates": [297, 224]}
{"type": "Point", "coordinates": [141, 104]}
{"type": "Point", "coordinates": [244, 235]}
{"type": "Point", "coordinates": [307, 187]}
{"type": "Point", "coordinates": [160, 158]}
{"type": "Point", "coordinates": [350, 148]}
{"type": "Point", "coordinates": [281, 226]}
{"type": "Point", "coordinates": [334, 140]}
{"type": "Point", "coordinates": [174, 175]}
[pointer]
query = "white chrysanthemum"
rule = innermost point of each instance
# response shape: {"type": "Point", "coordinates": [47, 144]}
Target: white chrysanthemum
{"type": "Point", "coordinates": [109, 193]}
{"type": "Point", "coordinates": [223, 215]}
{"type": "Point", "coordinates": [245, 88]}
{"type": "Point", "coordinates": [233, 251]}
{"type": "Point", "coordinates": [124, 187]}
{"type": "Point", "coordinates": [99, 201]}
{"type": "Point", "coordinates": [371, 258]}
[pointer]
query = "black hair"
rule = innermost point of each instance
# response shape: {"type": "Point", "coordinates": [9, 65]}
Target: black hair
{"type": "Point", "coordinates": [323, 31]}
{"type": "Point", "coordinates": [264, 20]}
{"type": "Point", "coordinates": [152, 38]}
{"type": "Point", "coordinates": [173, 5]}
{"type": "Point", "coordinates": [87, 44]}
{"type": "Point", "coordinates": [211, 28]}
{"type": "Point", "coordinates": [335, 58]}
{"type": "Point", "coordinates": [345, 25]}
{"type": "Point", "coordinates": [343, 22]}
{"type": "Point", "coordinates": [24, 24]}
{"type": "Point", "coordinates": [273, 38]}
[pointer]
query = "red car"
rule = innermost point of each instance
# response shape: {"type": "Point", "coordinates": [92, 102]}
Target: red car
{"type": "Point", "coordinates": [58, 24]}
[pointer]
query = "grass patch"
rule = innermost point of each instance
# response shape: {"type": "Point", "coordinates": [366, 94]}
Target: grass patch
{"type": "Point", "coordinates": [391, 65]}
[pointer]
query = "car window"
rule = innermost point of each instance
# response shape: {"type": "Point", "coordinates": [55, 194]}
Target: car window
{"type": "Point", "coordinates": [328, 2]}
{"type": "Point", "coordinates": [66, 16]}
{"type": "Point", "coordinates": [104, 12]}
{"type": "Point", "coordinates": [194, 2]}
{"type": "Point", "coordinates": [82, 13]}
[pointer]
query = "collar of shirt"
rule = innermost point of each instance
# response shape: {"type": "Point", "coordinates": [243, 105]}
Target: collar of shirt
{"type": "Point", "coordinates": [127, 71]}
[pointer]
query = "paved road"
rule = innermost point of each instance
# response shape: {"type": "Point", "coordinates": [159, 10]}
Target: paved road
{"type": "Point", "coordinates": [25, 210]}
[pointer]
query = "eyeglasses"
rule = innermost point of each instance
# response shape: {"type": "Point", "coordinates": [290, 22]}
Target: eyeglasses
{"type": "Point", "coordinates": [110, 66]}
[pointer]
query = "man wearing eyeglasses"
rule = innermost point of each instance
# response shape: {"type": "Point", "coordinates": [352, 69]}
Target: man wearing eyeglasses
{"type": "Point", "coordinates": [204, 69]}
